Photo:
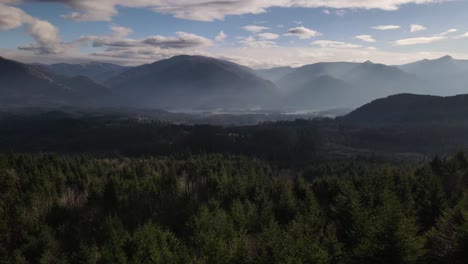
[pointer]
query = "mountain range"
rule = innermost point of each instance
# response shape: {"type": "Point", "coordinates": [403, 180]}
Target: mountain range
{"type": "Point", "coordinates": [196, 82]}
{"type": "Point", "coordinates": [96, 71]}
{"type": "Point", "coordinates": [29, 85]}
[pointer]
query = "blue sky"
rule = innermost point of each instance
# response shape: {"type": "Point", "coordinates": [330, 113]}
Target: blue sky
{"type": "Point", "coordinates": [256, 33]}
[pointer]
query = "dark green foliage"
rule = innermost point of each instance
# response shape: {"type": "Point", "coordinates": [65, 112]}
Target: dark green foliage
{"type": "Point", "coordinates": [230, 209]}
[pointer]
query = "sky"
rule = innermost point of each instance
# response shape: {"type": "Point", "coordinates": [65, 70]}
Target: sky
{"type": "Point", "coordinates": [255, 33]}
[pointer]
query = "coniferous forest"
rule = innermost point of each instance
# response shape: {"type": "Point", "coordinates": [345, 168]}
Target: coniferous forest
{"type": "Point", "coordinates": [221, 208]}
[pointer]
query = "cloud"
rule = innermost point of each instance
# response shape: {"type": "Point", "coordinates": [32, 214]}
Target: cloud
{"type": "Point", "coordinates": [119, 39]}
{"type": "Point", "coordinates": [302, 32]}
{"type": "Point", "coordinates": [118, 46]}
{"type": "Point", "coordinates": [335, 44]}
{"type": "Point", "coordinates": [253, 42]}
{"type": "Point", "coordinates": [255, 28]}
{"type": "Point", "coordinates": [181, 41]}
{"type": "Point", "coordinates": [416, 28]}
{"type": "Point", "coordinates": [462, 36]}
{"type": "Point", "coordinates": [46, 35]}
{"type": "Point", "coordinates": [427, 40]}
{"type": "Point", "coordinates": [209, 10]}
{"type": "Point", "coordinates": [47, 38]}
{"type": "Point", "coordinates": [416, 41]}
{"type": "Point", "coordinates": [366, 38]}
{"type": "Point", "coordinates": [386, 27]}
{"type": "Point", "coordinates": [221, 37]}
{"type": "Point", "coordinates": [12, 17]}
{"type": "Point", "coordinates": [448, 32]}
{"type": "Point", "coordinates": [268, 36]}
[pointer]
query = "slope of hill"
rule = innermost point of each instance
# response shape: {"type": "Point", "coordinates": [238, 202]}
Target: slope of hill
{"type": "Point", "coordinates": [274, 74]}
{"type": "Point", "coordinates": [185, 82]}
{"type": "Point", "coordinates": [410, 108]}
{"type": "Point", "coordinates": [27, 85]}
{"type": "Point", "coordinates": [96, 71]}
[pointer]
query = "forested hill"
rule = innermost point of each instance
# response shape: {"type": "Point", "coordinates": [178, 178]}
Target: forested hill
{"type": "Point", "coordinates": [411, 108]}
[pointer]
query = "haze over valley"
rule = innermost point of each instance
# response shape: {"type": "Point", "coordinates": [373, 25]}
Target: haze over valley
{"type": "Point", "coordinates": [190, 83]}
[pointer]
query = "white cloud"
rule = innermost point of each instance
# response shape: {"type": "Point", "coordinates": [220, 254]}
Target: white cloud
{"type": "Point", "coordinates": [416, 28]}
{"type": "Point", "coordinates": [340, 12]}
{"type": "Point", "coordinates": [221, 37]}
{"type": "Point", "coordinates": [209, 10]}
{"type": "Point", "coordinates": [255, 28]}
{"type": "Point", "coordinates": [366, 38]}
{"type": "Point", "coordinates": [386, 27]}
{"type": "Point", "coordinates": [268, 36]}
{"type": "Point", "coordinates": [416, 41]}
{"type": "Point", "coordinates": [448, 32]}
{"type": "Point", "coordinates": [12, 17]}
{"type": "Point", "coordinates": [335, 44]}
{"type": "Point", "coordinates": [46, 35]}
{"type": "Point", "coordinates": [118, 40]}
{"type": "Point", "coordinates": [253, 42]}
{"type": "Point", "coordinates": [302, 32]}
{"type": "Point", "coordinates": [462, 36]}
{"type": "Point", "coordinates": [427, 40]}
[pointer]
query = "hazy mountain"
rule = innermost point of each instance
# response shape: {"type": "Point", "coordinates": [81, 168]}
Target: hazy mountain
{"type": "Point", "coordinates": [274, 74]}
{"type": "Point", "coordinates": [306, 74]}
{"type": "Point", "coordinates": [323, 92]}
{"type": "Point", "coordinates": [345, 84]}
{"type": "Point", "coordinates": [410, 108]}
{"type": "Point", "coordinates": [378, 80]}
{"type": "Point", "coordinates": [26, 85]}
{"type": "Point", "coordinates": [428, 68]}
{"type": "Point", "coordinates": [444, 76]}
{"type": "Point", "coordinates": [187, 82]}
{"type": "Point", "coordinates": [96, 71]}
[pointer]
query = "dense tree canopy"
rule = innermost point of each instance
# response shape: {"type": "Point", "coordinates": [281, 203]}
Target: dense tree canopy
{"type": "Point", "coordinates": [230, 209]}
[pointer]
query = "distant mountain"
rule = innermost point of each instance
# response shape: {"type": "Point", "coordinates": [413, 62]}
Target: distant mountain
{"type": "Point", "coordinates": [27, 85]}
{"type": "Point", "coordinates": [323, 92]}
{"type": "Point", "coordinates": [345, 84]}
{"type": "Point", "coordinates": [193, 82]}
{"type": "Point", "coordinates": [274, 74]}
{"type": "Point", "coordinates": [444, 76]}
{"type": "Point", "coordinates": [428, 68]}
{"type": "Point", "coordinates": [378, 80]}
{"type": "Point", "coordinates": [96, 71]}
{"type": "Point", "coordinates": [412, 109]}
{"type": "Point", "coordinates": [306, 74]}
